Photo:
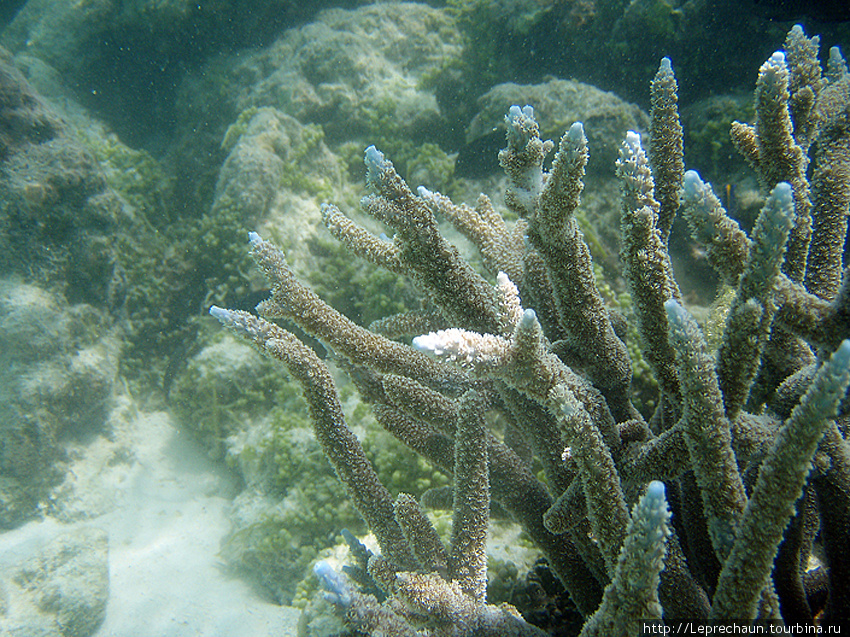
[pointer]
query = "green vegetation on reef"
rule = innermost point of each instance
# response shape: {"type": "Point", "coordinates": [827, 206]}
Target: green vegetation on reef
{"type": "Point", "coordinates": [238, 128]}
{"type": "Point", "coordinates": [135, 174]}
{"type": "Point", "coordinates": [279, 531]}
{"type": "Point", "coordinates": [218, 392]}
{"type": "Point", "coordinates": [706, 130]}
{"type": "Point", "coordinates": [362, 292]}
{"type": "Point", "coordinates": [295, 177]}
{"type": "Point", "coordinates": [168, 277]}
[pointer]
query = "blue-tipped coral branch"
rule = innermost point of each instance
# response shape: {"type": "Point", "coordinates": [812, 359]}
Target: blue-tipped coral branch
{"type": "Point", "coordinates": [749, 441]}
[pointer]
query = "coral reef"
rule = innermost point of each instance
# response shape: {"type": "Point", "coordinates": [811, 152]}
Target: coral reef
{"type": "Point", "coordinates": [746, 445]}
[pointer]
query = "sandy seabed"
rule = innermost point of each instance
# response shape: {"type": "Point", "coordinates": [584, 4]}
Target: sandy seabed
{"type": "Point", "coordinates": [164, 509]}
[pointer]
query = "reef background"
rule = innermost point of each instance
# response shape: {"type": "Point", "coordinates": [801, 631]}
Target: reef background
{"type": "Point", "coordinates": [141, 141]}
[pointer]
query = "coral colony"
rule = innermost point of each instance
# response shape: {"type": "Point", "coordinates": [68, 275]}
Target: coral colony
{"type": "Point", "coordinates": [731, 502]}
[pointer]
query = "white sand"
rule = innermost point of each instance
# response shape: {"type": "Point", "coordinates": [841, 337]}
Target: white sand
{"type": "Point", "coordinates": [164, 509]}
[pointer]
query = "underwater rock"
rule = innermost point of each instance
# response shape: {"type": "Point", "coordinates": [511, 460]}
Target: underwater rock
{"type": "Point", "coordinates": [126, 57]}
{"type": "Point", "coordinates": [61, 591]}
{"type": "Point", "coordinates": [58, 367]}
{"type": "Point", "coordinates": [57, 216]}
{"type": "Point", "coordinates": [605, 116]}
{"type": "Point", "coordinates": [358, 73]}
{"type": "Point", "coordinates": [277, 171]}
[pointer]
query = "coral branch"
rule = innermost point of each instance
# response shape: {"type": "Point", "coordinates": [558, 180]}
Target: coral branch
{"type": "Point", "coordinates": [538, 353]}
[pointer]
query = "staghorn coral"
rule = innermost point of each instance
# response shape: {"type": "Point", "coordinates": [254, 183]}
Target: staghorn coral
{"type": "Point", "coordinates": [749, 441]}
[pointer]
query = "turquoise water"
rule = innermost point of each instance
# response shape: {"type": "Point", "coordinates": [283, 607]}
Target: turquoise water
{"type": "Point", "coordinates": [159, 477]}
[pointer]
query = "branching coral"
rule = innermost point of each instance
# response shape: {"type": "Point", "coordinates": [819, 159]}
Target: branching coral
{"type": "Point", "coordinates": [749, 441]}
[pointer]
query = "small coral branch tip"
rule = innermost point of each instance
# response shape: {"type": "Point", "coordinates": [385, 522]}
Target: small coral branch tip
{"type": "Point", "coordinates": [655, 489]}
{"type": "Point", "coordinates": [675, 312]}
{"type": "Point", "coordinates": [220, 313]}
{"type": "Point", "coordinates": [425, 342]}
{"type": "Point", "coordinates": [841, 357]}
{"type": "Point", "coordinates": [782, 192]}
{"type": "Point", "coordinates": [373, 156]}
{"type": "Point", "coordinates": [576, 132]}
{"type": "Point", "coordinates": [334, 583]}
{"type": "Point", "coordinates": [693, 185]}
{"type": "Point", "coordinates": [529, 318]}
{"type": "Point", "coordinates": [375, 162]}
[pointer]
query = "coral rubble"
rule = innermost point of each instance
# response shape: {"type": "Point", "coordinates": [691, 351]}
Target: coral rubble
{"type": "Point", "coordinates": [746, 445]}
